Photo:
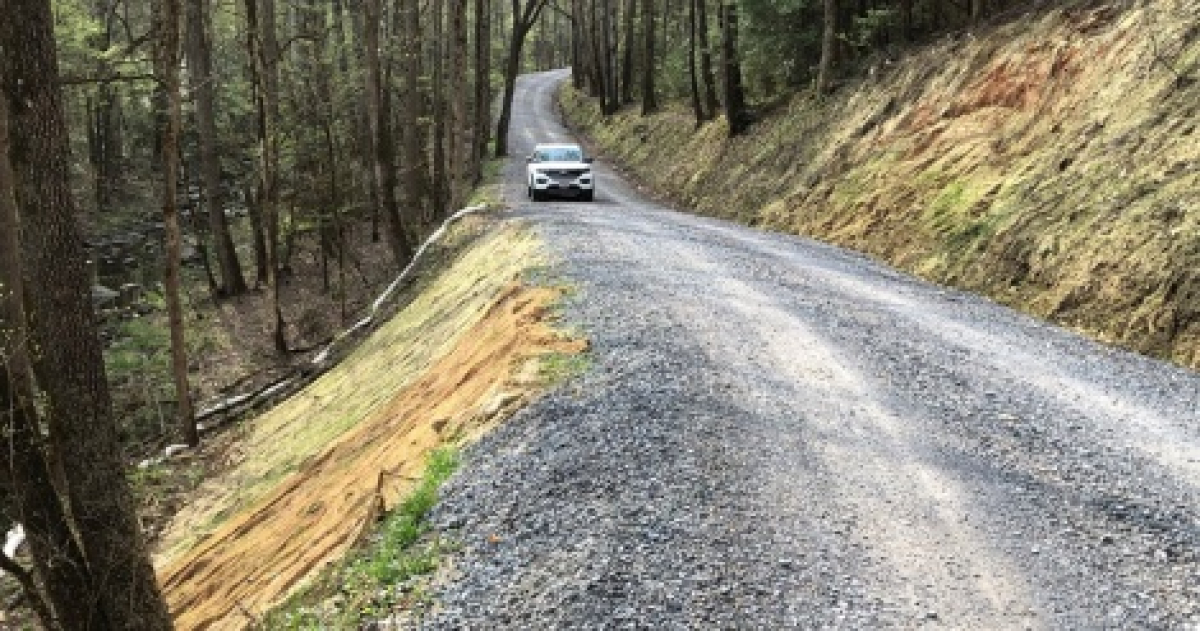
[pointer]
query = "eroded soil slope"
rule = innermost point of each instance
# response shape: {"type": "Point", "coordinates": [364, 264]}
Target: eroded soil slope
{"type": "Point", "coordinates": [454, 363]}
{"type": "Point", "coordinates": [1052, 162]}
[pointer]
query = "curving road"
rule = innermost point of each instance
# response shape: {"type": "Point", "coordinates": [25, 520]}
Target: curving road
{"type": "Point", "coordinates": [779, 434]}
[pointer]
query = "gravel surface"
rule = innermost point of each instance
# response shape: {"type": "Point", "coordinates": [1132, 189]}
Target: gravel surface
{"type": "Point", "coordinates": [779, 434]}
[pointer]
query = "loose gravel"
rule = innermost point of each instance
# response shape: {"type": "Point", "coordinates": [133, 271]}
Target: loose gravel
{"type": "Point", "coordinates": [778, 434]}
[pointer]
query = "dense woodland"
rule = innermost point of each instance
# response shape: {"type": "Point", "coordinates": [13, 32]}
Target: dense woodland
{"type": "Point", "coordinates": [242, 130]}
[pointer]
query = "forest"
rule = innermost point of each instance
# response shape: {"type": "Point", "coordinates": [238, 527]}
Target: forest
{"type": "Point", "coordinates": [195, 195]}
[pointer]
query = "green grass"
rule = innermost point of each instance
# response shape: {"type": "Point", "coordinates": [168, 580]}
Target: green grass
{"type": "Point", "coordinates": [559, 367]}
{"type": "Point", "coordinates": [363, 587]}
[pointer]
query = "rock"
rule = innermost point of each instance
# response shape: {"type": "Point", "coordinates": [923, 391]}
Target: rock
{"type": "Point", "coordinates": [103, 297]}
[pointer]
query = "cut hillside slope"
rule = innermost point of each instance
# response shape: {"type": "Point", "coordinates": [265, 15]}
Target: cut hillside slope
{"type": "Point", "coordinates": [317, 470]}
{"type": "Point", "coordinates": [1052, 162]}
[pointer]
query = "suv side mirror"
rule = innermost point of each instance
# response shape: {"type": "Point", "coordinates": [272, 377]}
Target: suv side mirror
{"type": "Point", "coordinates": [589, 160]}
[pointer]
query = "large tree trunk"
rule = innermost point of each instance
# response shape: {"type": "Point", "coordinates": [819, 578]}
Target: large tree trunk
{"type": "Point", "coordinates": [199, 57]}
{"type": "Point", "coordinates": [69, 365]}
{"type": "Point", "coordinates": [167, 70]}
{"type": "Point", "coordinates": [25, 476]}
{"type": "Point", "coordinates": [649, 100]}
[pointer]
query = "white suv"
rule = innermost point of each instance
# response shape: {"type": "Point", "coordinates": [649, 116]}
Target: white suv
{"type": "Point", "coordinates": [561, 169]}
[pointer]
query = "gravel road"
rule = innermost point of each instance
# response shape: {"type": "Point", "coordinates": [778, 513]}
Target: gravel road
{"type": "Point", "coordinates": [779, 434]}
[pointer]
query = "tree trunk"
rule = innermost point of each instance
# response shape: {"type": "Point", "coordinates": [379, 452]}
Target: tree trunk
{"type": "Point", "coordinates": [167, 71]}
{"type": "Point", "coordinates": [693, 78]}
{"type": "Point", "coordinates": [482, 126]}
{"type": "Point", "coordinates": [199, 57]}
{"type": "Point", "coordinates": [69, 365]}
{"type": "Point", "coordinates": [25, 474]}
{"type": "Point", "coordinates": [627, 52]}
{"type": "Point", "coordinates": [458, 145]}
{"type": "Point", "coordinates": [414, 157]}
{"type": "Point", "coordinates": [706, 68]}
{"type": "Point", "coordinates": [828, 44]}
{"type": "Point", "coordinates": [440, 174]}
{"type": "Point", "coordinates": [649, 100]}
{"type": "Point", "coordinates": [523, 20]}
{"type": "Point", "coordinates": [731, 70]}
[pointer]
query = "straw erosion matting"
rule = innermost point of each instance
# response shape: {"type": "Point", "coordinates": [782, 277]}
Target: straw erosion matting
{"type": "Point", "coordinates": [459, 359]}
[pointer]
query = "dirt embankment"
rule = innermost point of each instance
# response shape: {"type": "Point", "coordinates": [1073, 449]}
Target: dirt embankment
{"type": "Point", "coordinates": [1052, 162]}
{"type": "Point", "coordinates": [309, 477]}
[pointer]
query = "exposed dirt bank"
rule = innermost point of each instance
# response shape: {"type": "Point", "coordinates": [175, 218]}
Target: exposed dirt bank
{"type": "Point", "coordinates": [1052, 163]}
{"type": "Point", "coordinates": [316, 471]}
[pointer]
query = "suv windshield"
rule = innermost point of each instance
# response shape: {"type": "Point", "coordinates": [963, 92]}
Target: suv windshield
{"type": "Point", "coordinates": [559, 154]}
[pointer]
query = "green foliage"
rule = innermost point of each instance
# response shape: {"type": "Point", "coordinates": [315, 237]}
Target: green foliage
{"type": "Point", "coordinates": [781, 42]}
{"type": "Point", "coordinates": [364, 586]}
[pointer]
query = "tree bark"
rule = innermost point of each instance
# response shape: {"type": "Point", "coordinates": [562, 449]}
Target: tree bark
{"type": "Point", "coordinates": [199, 55]}
{"type": "Point", "coordinates": [24, 471]}
{"type": "Point", "coordinates": [70, 366]}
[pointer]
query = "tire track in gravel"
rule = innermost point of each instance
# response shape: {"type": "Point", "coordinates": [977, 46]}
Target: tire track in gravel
{"type": "Point", "coordinates": [779, 434]}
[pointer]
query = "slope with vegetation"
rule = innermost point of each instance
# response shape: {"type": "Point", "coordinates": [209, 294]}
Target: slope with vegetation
{"type": "Point", "coordinates": [306, 481]}
{"type": "Point", "coordinates": [1049, 160]}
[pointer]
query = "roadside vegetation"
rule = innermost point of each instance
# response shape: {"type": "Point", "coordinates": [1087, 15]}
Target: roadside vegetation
{"type": "Point", "coordinates": [377, 579]}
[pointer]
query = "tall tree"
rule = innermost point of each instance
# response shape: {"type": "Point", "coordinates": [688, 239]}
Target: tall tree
{"type": "Point", "coordinates": [828, 45]}
{"type": "Point", "coordinates": [524, 15]}
{"type": "Point", "coordinates": [415, 156]}
{"type": "Point", "coordinates": [440, 194]}
{"type": "Point", "coordinates": [649, 99]}
{"type": "Point", "coordinates": [627, 17]}
{"type": "Point", "coordinates": [706, 68]}
{"type": "Point", "coordinates": [167, 68]}
{"type": "Point", "coordinates": [731, 70]}
{"type": "Point", "coordinates": [483, 84]}
{"type": "Point", "coordinates": [693, 76]}
{"type": "Point", "coordinates": [69, 366]}
{"type": "Point", "coordinates": [200, 74]}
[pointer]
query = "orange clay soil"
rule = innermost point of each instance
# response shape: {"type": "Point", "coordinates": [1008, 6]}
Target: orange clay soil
{"type": "Point", "coordinates": [257, 558]}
